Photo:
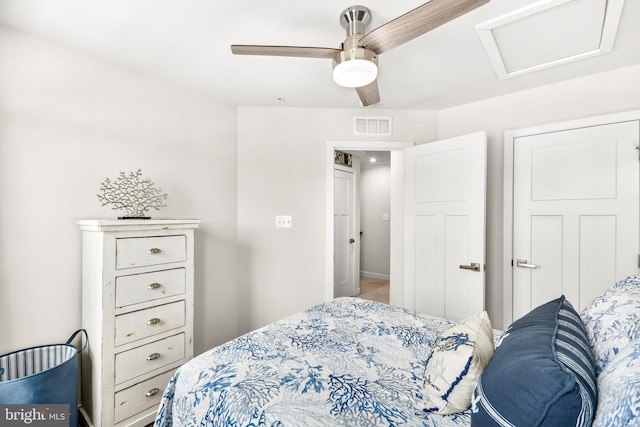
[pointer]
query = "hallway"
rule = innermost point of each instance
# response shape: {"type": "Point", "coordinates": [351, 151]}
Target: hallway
{"type": "Point", "coordinates": [374, 289]}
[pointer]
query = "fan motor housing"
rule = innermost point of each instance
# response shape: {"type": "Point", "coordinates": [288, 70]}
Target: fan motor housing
{"type": "Point", "coordinates": [355, 53]}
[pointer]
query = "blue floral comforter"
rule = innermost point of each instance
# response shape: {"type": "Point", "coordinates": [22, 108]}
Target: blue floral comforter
{"type": "Point", "coordinates": [349, 362]}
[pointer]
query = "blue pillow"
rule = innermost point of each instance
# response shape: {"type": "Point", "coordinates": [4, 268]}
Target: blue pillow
{"type": "Point", "coordinates": [542, 374]}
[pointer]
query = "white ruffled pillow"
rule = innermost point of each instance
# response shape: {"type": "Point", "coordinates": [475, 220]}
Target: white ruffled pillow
{"type": "Point", "coordinates": [458, 358]}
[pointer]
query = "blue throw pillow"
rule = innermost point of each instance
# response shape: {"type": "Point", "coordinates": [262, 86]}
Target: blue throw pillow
{"type": "Point", "coordinates": [542, 374]}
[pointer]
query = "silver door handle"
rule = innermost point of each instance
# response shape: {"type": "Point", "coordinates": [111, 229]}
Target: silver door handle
{"type": "Point", "coordinates": [473, 266]}
{"type": "Point", "coordinates": [523, 263]}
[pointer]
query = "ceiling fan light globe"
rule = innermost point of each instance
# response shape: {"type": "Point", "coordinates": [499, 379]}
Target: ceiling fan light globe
{"type": "Point", "coordinates": [355, 73]}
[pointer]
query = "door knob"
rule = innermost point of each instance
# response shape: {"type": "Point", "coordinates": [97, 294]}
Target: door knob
{"type": "Point", "coordinates": [523, 263]}
{"type": "Point", "coordinates": [473, 266]}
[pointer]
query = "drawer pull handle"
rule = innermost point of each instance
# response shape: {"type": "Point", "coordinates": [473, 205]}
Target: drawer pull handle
{"type": "Point", "coordinates": [153, 356]}
{"type": "Point", "coordinates": [152, 392]}
{"type": "Point", "coordinates": [154, 251]}
{"type": "Point", "coordinates": [153, 321]}
{"type": "Point", "coordinates": [154, 286]}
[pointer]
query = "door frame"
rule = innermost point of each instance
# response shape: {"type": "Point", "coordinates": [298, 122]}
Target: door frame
{"type": "Point", "coordinates": [509, 140]}
{"type": "Point", "coordinates": [395, 214]}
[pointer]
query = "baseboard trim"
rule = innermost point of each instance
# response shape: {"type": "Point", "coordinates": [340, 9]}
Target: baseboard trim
{"type": "Point", "coordinates": [370, 275]}
{"type": "Point", "coordinates": [83, 418]}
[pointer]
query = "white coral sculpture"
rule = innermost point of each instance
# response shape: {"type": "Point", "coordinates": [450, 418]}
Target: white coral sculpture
{"type": "Point", "coordinates": [132, 194]}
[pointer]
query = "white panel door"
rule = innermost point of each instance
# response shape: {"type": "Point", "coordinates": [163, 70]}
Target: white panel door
{"type": "Point", "coordinates": [344, 274]}
{"type": "Point", "coordinates": [575, 213]}
{"type": "Point", "coordinates": [445, 187]}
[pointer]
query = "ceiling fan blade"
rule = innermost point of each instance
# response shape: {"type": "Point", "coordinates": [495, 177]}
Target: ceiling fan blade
{"type": "Point", "coordinates": [369, 94]}
{"type": "Point", "coordinates": [298, 51]}
{"type": "Point", "coordinates": [416, 22]}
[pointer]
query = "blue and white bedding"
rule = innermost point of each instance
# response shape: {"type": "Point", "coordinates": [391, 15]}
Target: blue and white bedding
{"type": "Point", "coordinates": [612, 322]}
{"type": "Point", "coordinates": [347, 362]}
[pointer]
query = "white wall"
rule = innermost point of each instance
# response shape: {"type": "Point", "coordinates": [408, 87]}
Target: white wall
{"type": "Point", "coordinates": [375, 201]}
{"type": "Point", "coordinates": [600, 94]}
{"type": "Point", "coordinates": [281, 158]}
{"type": "Point", "coordinates": [282, 171]}
{"type": "Point", "coordinates": [67, 121]}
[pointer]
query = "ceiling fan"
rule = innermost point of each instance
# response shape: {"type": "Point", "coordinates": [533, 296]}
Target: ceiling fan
{"type": "Point", "coordinates": [355, 64]}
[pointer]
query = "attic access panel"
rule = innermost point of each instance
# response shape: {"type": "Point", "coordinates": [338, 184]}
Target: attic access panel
{"type": "Point", "coordinates": [549, 33]}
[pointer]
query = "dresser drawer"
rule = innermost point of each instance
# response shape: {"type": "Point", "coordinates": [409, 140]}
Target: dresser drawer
{"type": "Point", "coordinates": [140, 251]}
{"type": "Point", "coordinates": [139, 397]}
{"type": "Point", "coordinates": [141, 324]}
{"type": "Point", "coordinates": [146, 358]}
{"type": "Point", "coordinates": [138, 288]}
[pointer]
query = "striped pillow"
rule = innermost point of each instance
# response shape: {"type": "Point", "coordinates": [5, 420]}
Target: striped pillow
{"type": "Point", "coordinates": [542, 374]}
{"type": "Point", "coordinates": [574, 352]}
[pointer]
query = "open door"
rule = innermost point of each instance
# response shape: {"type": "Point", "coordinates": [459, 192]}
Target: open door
{"type": "Point", "coordinates": [445, 200]}
{"type": "Point", "coordinates": [346, 274]}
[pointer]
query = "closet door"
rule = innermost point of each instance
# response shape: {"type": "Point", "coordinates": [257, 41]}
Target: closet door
{"type": "Point", "coordinates": [575, 212]}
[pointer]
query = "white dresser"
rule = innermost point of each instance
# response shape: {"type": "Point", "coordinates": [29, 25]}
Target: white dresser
{"type": "Point", "coordinates": [137, 307]}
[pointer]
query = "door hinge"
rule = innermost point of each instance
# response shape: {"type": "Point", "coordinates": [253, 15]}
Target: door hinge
{"type": "Point", "coordinates": [638, 261]}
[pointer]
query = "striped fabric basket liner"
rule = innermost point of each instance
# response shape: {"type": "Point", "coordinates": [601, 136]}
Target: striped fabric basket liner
{"type": "Point", "coordinates": [34, 360]}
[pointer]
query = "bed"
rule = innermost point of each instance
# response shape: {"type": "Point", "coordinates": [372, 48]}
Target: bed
{"type": "Point", "coordinates": [354, 362]}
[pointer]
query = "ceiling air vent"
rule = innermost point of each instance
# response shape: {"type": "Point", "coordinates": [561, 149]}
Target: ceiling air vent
{"type": "Point", "coordinates": [372, 126]}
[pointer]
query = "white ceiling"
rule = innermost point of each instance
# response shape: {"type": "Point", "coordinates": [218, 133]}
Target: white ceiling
{"type": "Point", "coordinates": [372, 159]}
{"type": "Point", "coordinates": [188, 42]}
